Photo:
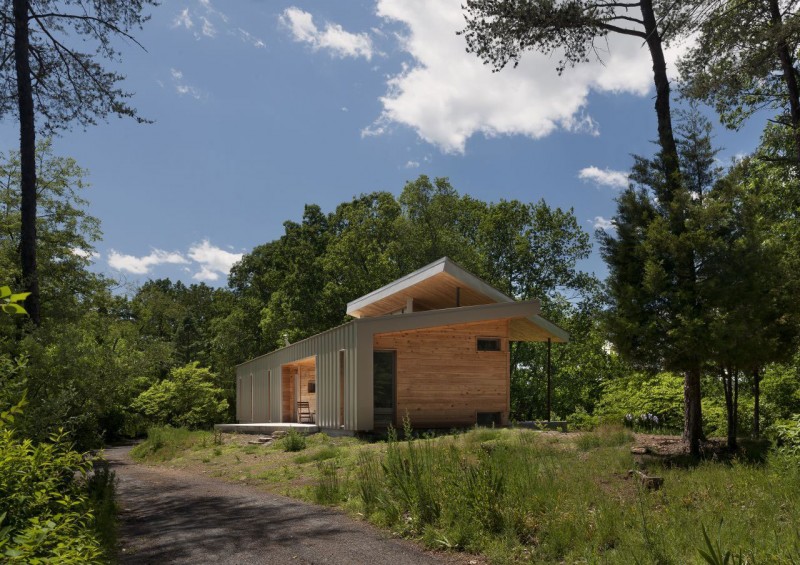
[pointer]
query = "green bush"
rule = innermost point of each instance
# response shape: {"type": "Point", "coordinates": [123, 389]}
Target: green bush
{"type": "Point", "coordinates": [46, 514]}
{"type": "Point", "coordinates": [294, 441]}
{"type": "Point", "coordinates": [788, 433]}
{"type": "Point", "coordinates": [644, 401]}
{"type": "Point", "coordinates": [188, 398]}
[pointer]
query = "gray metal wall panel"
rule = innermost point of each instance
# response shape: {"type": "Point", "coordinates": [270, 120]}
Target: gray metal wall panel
{"type": "Point", "coordinates": [325, 347]}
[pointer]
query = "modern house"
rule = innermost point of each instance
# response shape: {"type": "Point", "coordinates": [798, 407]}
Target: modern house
{"type": "Point", "coordinates": [433, 345]}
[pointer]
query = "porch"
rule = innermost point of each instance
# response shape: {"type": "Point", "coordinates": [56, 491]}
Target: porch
{"type": "Point", "coordinates": [267, 428]}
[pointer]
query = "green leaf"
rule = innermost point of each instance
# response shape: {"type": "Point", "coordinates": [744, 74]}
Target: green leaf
{"type": "Point", "coordinates": [19, 296]}
{"type": "Point", "coordinates": [5, 292]}
{"type": "Point", "coordinates": [14, 309]}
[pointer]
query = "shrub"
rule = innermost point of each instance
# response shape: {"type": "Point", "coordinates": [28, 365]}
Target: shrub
{"type": "Point", "coordinates": [329, 488]}
{"type": "Point", "coordinates": [294, 441]}
{"type": "Point", "coordinates": [188, 398]}
{"type": "Point", "coordinates": [45, 513]}
{"type": "Point", "coordinates": [788, 434]}
{"type": "Point", "coordinates": [581, 420]}
{"type": "Point", "coordinates": [644, 401]}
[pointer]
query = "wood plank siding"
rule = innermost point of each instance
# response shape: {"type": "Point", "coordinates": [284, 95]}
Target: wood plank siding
{"type": "Point", "coordinates": [442, 378]}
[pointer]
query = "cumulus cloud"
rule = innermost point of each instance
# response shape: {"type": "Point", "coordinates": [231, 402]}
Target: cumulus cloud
{"type": "Point", "coordinates": [601, 223]}
{"type": "Point", "coordinates": [143, 265]}
{"type": "Point", "coordinates": [214, 261]}
{"type": "Point", "coordinates": [207, 262]}
{"type": "Point", "coordinates": [333, 38]}
{"type": "Point", "coordinates": [604, 177]}
{"type": "Point", "coordinates": [85, 253]}
{"type": "Point", "coordinates": [447, 95]}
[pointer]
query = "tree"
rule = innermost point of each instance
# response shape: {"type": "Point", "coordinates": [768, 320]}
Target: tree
{"type": "Point", "coordinates": [60, 84]}
{"type": "Point", "coordinates": [67, 233]}
{"type": "Point", "coordinates": [745, 59]}
{"type": "Point", "coordinates": [656, 320]}
{"type": "Point", "coordinates": [499, 31]}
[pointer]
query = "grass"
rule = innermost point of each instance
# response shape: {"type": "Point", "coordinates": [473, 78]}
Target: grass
{"type": "Point", "coordinates": [525, 496]}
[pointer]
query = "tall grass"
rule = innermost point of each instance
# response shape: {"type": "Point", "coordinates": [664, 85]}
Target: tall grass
{"type": "Point", "coordinates": [523, 496]}
{"type": "Point", "coordinates": [165, 442]}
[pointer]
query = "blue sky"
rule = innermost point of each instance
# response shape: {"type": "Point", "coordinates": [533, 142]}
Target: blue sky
{"type": "Point", "coordinates": [261, 107]}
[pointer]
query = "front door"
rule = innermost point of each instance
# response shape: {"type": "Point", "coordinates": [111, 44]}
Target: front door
{"type": "Point", "coordinates": [383, 373]}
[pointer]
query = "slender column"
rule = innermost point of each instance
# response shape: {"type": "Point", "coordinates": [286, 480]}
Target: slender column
{"type": "Point", "coordinates": [549, 380]}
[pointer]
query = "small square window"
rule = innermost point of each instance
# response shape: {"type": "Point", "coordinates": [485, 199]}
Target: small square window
{"type": "Point", "coordinates": [312, 387]}
{"type": "Point", "coordinates": [489, 344]}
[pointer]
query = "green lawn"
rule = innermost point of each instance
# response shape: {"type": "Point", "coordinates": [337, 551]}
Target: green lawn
{"type": "Point", "coordinates": [521, 496]}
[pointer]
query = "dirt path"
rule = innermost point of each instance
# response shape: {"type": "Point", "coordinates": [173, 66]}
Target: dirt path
{"type": "Point", "coordinates": [171, 516]}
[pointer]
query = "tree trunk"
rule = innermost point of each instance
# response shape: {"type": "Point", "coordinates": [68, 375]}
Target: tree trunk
{"type": "Point", "coordinates": [27, 150]}
{"type": "Point", "coordinates": [756, 402]}
{"type": "Point", "coordinates": [666, 137]}
{"type": "Point", "coordinates": [692, 411]}
{"type": "Point", "coordinates": [732, 442]}
{"type": "Point", "coordinates": [789, 76]}
{"type": "Point", "coordinates": [727, 387]}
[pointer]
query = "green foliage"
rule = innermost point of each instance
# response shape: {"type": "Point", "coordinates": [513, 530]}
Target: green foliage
{"type": "Point", "coordinates": [780, 391]}
{"type": "Point", "coordinates": [10, 301]}
{"type": "Point", "coordinates": [788, 434]}
{"type": "Point", "coordinates": [535, 498]}
{"type": "Point", "coordinates": [188, 398]}
{"type": "Point", "coordinates": [164, 442]}
{"type": "Point", "coordinates": [626, 400]}
{"type": "Point", "coordinates": [45, 512]}
{"type": "Point", "coordinates": [294, 441]}
{"type": "Point", "coordinates": [328, 489]}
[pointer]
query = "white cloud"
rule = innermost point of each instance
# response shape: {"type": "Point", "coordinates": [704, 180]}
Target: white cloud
{"type": "Point", "coordinates": [247, 37]}
{"type": "Point", "coordinates": [183, 19]}
{"type": "Point", "coordinates": [183, 88]}
{"type": "Point", "coordinates": [412, 165]}
{"type": "Point", "coordinates": [208, 28]}
{"type": "Point", "coordinates": [213, 20]}
{"type": "Point", "coordinates": [143, 265]}
{"type": "Point", "coordinates": [601, 223]}
{"type": "Point", "coordinates": [214, 261]}
{"type": "Point", "coordinates": [333, 38]}
{"type": "Point", "coordinates": [447, 95]}
{"type": "Point", "coordinates": [85, 254]}
{"type": "Point", "coordinates": [604, 177]}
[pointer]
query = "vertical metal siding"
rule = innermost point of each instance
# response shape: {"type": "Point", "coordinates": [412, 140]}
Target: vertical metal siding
{"type": "Point", "coordinates": [325, 347]}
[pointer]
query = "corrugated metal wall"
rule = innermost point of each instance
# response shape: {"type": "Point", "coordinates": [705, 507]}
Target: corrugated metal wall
{"type": "Point", "coordinates": [266, 372]}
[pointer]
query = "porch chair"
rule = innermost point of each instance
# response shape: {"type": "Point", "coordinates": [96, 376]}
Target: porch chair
{"type": "Point", "coordinates": [304, 414]}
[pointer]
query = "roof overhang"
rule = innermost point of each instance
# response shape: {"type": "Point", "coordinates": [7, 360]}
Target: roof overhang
{"type": "Point", "coordinates": [525, 322]}
{"type": "Point", "coordinates": [442, 284]}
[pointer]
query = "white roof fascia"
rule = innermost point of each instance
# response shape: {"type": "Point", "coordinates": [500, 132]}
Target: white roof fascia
{"type": "Point", "coordinates": [448, 316]}
{"type": "Point", "coordinates": [550, 327]}
{"type": "Point", "coordinates": [443, 265]}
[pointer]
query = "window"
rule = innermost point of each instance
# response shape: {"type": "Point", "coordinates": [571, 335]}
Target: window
{"type": "Point", "coordinates": [312, 387]}
{"type": "Point", "coordinates": [489, 344]}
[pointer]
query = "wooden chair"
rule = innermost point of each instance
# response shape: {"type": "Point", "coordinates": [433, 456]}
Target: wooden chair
{"type": "Point", "coordinates": [304, 414]}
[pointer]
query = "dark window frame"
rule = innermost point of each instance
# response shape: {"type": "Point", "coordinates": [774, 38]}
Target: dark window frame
{"type": "Point", "coordinates": [481, 344]}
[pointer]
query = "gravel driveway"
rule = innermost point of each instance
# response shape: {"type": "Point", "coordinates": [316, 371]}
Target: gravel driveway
{"type": "Point", "coordinates": [171, 516]}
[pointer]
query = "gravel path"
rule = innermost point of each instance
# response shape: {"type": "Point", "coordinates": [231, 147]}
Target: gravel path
{"type": "Point", "coordinates": [171, 516]}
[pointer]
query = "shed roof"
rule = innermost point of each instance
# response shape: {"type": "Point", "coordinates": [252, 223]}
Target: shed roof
{"type": "Point", "coordinates": [441, 284]}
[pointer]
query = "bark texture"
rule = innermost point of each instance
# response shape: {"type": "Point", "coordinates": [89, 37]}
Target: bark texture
{"type": "Point", "coordinates": [27, 150]}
